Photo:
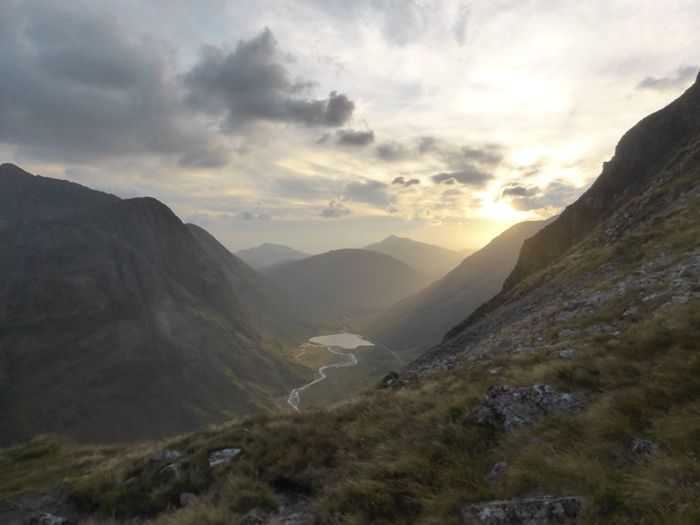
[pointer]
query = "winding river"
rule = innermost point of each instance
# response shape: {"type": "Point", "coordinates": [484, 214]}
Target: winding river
{"type": "Point", "coordinates": [331, 342]}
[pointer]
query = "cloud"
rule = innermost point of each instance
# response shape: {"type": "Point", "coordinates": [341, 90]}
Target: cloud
{"type": "Point", "coordinates": [350, 137]}
{"type": "Point", "coordinates": [334, 210]}
{"type": "Point", "coordinates": [204, 158]}
{"type": "Point", "coordinates": [681, 77]}
{"type": "Point", "coordinates": [252, 84]}
{"type": "Point", "coordinates": [405, 182]}
{"type": "Point", "coordinates": [488, 156]}
{"type": "Point", "coordinates": [368, 191]}
{"type": "Point", "coordinates": [391, 152]}
{"type": "Point", "coordinates": [556, 194]}
{"type": "Point", "coordinates": [254, 215]}
{"type": "Point", "coordinates": [78, 86]}
{"type": "Point", "coordinates": [516, 190]}
{"type": "Point", "coordinates": [467, 177]}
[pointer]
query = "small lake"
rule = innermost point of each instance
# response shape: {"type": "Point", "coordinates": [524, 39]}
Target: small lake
{"type": "Point", "coordinates": [347, 341]}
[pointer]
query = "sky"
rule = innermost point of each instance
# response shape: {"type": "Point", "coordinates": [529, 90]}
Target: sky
{"type": "Point", "coordinates": [324, 124]}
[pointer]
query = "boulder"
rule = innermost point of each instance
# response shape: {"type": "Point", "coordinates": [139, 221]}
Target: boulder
{"type": "Point", "coordinates": [46, 518]}
{"type": "Point", "coordinates": [644, 447]}
{"type": "Point", "coordinates": [391, 380]}
{"type": "Point", "coordinates": [510, 408]}
{"type": "Point", "coordinates": [222, 457]}
{"type": "Point", "coordinates": [543, 510]}
{"type": "Point", "coordinates": [188, 499]}
{"type": "Point", "coordinates": [167, 472]}
{"type": "Point", "coordinates": [495, 475]}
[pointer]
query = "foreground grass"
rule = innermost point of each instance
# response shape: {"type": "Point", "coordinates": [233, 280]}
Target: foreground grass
{"type": "Point", "coordinates": [410, 456]}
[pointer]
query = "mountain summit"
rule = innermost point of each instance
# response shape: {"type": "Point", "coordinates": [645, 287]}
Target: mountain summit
{"type": "Point", "coordinates": [121, 322]}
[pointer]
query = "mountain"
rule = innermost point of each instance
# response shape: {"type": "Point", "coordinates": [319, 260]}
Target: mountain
{"type": "Point", "coordinates": [276, 311]}
{"type": "Point", "coordinates": [418, 322]}
{"type": "Point", "coordinates": [120, 322]}
{"type": "Point", "coordinates": [346, 283]}
{"type": "Point", "coordinates": [572, 397]}
{"type": "Point", "coordinates": [433, 261]}
{"type": "Point", "coordinates": [267, 255]}
{"type": "Point", "coordinates": [626, 249]}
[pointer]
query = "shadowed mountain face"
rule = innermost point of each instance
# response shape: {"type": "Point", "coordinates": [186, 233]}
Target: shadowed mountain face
{"type": "Point", "coordinates": [639, 157]}
{"type": "Point", "coordinates": [267, 255]}
{"type": "Point", "coordinates": [119, 323]}
{"type": "Point", "coordinates": [627, 250]}
{"type": "Point", "coordinates": [433, 261]}
{"type": "Point", "coordinates": [347, 283]}
{"type": "Point", "coordinates": [420, 321]}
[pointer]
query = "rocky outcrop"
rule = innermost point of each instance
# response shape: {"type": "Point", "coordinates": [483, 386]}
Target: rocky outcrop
{"type": "Point", "coordinates": [511, 408]}
{"type": "Point", "coordinates": [46, 518]}
{"type": "Point", "coordinates": [223, 457]}
{"type": "Point", "coordinates": [544, 510]}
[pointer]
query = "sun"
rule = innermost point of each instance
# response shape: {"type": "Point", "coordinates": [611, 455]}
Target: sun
{"type": "Point", "coordinates": [502, 211]}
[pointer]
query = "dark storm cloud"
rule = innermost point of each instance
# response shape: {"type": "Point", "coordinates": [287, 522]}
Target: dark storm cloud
{"type": "Point", "coordinates": [466, 177]}
{"type": "Point", "coordinates": [253, 84]}
{"type": "Point", "coordinates": [350, 137]}
{"type": "Point", "coordinates": [77, 85]}
{"type": "Point", "coordinates": [683, 76]}
{"type": "Point", "coordinates": [556, 194]}
{"type": "Point", "coordinates": [334, 210]}
{"type": "Point", "coordinates": [403, 181]}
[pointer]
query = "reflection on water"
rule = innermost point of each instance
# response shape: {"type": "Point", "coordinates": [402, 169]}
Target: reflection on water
{"type": "Point", "coordinates": [349, 341]}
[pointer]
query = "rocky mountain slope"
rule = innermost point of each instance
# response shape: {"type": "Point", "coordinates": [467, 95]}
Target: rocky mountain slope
{"type": "Point", "coordinates": [433, 261]}
{"type": "Point", "coordinates": [346, 283]}
{"type": "Point", "coordinates": [119, 323]}
{"type": "Point", "coordinates": [267, 255]}
{"type": "Point", "coordinates": [419, 322]}
{"type": "Point", "coordinates": [572, 397]}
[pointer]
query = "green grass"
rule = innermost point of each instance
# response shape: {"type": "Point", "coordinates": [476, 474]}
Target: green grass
{"type": "Point", "coordinates": [410, 456]}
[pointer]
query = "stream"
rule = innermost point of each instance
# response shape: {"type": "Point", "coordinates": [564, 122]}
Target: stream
{"type": "Point", "coordinates": [343, 341]}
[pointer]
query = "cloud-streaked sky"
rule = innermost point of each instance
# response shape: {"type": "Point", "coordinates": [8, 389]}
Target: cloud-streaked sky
{"type": "Point", "coordinates": [326, 123]}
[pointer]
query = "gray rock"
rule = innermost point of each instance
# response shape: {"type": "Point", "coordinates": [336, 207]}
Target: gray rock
{"type": "Point", "coordinates": [567, 353]}
{"type": "Point", "coordinates": [544, 510]}
{"type": "Point", "coordinates": [167, 472]}
{"type": "Point", "coordinates": [165, 456]}
{"type": "Point", "coordinates": [223, 457]}
{"type": "Point", "coordinates": [495, 475]}
{"type": "Point", "coordinates": [188, 499]}
{"type": "Point", "coordinates": [45, 518]}
{"type": "Point", "coordinates": [512, 408]}
{"type": "Point", "coordinates": [495, 370]}
{"type": "Point", "coordinates": [391, 380]}
{"type": "Point", "coordinates": [644, 446]}
{"type": "Point", "coordinates": [568, 332]}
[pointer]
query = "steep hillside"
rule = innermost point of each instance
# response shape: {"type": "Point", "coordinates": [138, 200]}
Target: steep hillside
{"type": "Point", "coordinates": [433, 261]}
{"type": "Point", "coordinates": [267, 255]}
{"type": "Point", "coordinates": [274, 309]}
{"type": "Point", "coordinates": [572, 397]}
{"type": "Point", "coordinates": [421, 320]}
{"type": "Point", "coordinates": [116, 324]}
{"type": "Point", "coordinates": [642, 153]}
{"type": "Point", "coordinates": [346, 283]}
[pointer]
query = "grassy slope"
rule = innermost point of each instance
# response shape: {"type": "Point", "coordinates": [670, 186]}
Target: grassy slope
{"type": "Point", "coordinates": [407, 455]}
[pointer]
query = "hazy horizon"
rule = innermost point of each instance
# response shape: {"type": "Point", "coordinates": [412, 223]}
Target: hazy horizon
{"type": "Point", "coordinates": [324, 124]}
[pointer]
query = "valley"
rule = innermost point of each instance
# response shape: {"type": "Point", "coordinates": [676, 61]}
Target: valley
{"type": "Point", "coordinates": [235, 287]}
{"type": "Point", "coordinates": [330, 353]}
